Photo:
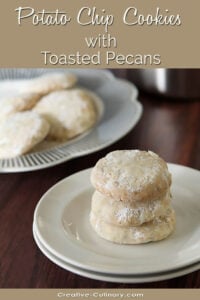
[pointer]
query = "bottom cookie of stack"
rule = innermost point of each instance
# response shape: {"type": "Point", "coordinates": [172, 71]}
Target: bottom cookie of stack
{"type": "Point", "coordinates": [155, 230]}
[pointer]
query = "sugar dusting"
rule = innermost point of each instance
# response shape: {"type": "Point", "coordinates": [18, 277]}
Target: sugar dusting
{"type": "Point", "coordinates": [127, 214]}
{"type": "Point", "coordinates": [132, 170]}
{"type": "Point", "coordinates": [20, 132]}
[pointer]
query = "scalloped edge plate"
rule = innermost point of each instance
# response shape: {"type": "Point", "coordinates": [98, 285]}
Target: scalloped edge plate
{"type": "Point", "coordinates": [122, 111]}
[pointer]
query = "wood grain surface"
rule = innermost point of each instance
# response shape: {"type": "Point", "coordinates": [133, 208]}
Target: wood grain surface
{"type": "Point", "coordinates": [169, 127]}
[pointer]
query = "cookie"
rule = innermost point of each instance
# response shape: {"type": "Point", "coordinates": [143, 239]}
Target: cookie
{"type": "Point", "coordinates": [14, 101]}
{"type": "Point", "coordinates": [20, 95]}
{"type": "Point", "coordinates": [69, 112]}
{"type": "Point", "coordinates": [126, 214]}
{"type": "Point", "coordinates": [152, 231]}
{"type": "Point", "coordinates": [131, 175]}
{"type": "Point", "coordinates": [50, 82]}
{"type": "Point", "coordinates": [17, 103]}
{"type": "Point", "coordinates": [20, 132]}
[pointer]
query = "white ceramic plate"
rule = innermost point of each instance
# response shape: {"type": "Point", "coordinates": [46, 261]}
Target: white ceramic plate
{"type": "Point", "coordinates": [121, 113]}
{"type": "Point", "coordinates": [62, 223]}
{"type": "Point", "coordinates": [111, 277]}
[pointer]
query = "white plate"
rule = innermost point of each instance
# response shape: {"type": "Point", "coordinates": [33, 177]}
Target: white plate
{"type": "Point", "coordinates": [111, 277]}
{"type": "Point", "coordinates": [62, 223]}
{"type": "Point", "coordinates": [121, 113]}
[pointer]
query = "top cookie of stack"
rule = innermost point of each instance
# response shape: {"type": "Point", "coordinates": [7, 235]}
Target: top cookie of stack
{"type": "Point", "coordinates": [132, 201]}
{"type": "Point", "coordinates": [131, 175]}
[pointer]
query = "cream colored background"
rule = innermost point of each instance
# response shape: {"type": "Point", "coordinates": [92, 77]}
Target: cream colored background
{"type": "Point", "coordinates": [178, 46]}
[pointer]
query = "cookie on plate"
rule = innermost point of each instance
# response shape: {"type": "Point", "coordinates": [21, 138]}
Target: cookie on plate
{"type": "Point", "coordinates": [126, 214]}
{"type": "Point", "coordinates": [155, 230]}
{"type": "Point", "coordinates": [20, 132]}
{"type": "Point", "coordinates": [131, 175]}
{"type": "Point", "coordinates": [50, 82]}
{"type": "Point", "coordinates": [69, 112]}
{"type": "Point", "coordinates": [13, 101]}
{"type": "Point", "coordinates": [22, 94]}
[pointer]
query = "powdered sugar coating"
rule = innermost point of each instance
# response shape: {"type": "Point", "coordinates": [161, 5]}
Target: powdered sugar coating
{"type": "Point", "coordinates": [50, 82]}
{"type": "Point", "coordinates": [20, 95]}
{"type": "Point", "coordinates": [122, 213]}
{"type": "Point", "coordinates": [13, 100]}
{"type": "Point", "coordinates": [131, 175]}
{"type": "Point", "coordinates": [69, 112]}
{"type": "Point", "coordinates": [20, 133]}
{"type": "Point", "coordinates": [155, 230]}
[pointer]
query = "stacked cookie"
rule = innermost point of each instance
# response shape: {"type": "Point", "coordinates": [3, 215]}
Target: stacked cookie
{"type": "Point", "coordinates": [132, 201]}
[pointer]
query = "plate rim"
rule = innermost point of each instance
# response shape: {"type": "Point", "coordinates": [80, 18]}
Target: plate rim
{"type": "Point", "coordinates": [80, 264]}
{"type": "Point", "coordinates": [112, 277]}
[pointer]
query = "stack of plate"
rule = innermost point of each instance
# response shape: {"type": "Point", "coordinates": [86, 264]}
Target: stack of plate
{"type": "Point", "coordinates": [63, 233]}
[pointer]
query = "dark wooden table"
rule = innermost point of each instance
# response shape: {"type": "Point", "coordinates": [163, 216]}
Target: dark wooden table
{"type": "Point", "coordinates": [170, 128]}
